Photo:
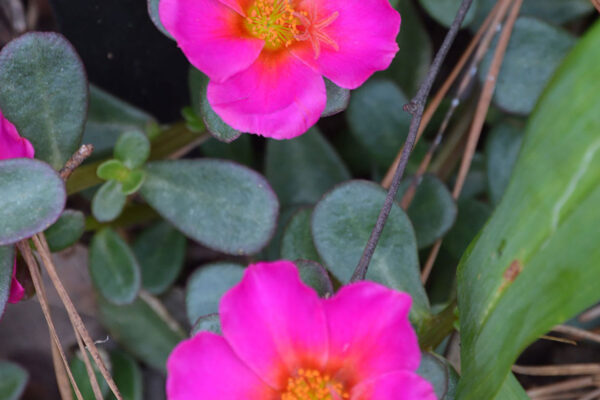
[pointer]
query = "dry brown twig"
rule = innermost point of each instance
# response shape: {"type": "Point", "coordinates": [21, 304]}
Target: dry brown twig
{"type": "Point", "coordinates": [558, 370]}
{"type": "Point", "coordinates": [596, 4]}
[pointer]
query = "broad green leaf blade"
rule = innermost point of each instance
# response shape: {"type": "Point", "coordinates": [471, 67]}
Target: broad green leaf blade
{"type": "Point", "coordinates": [341, 225]}
{"type": "Point", "coordinates": [207, 285]}
{"type": "Point", "coordinates": [108, 202]}
{"type": "Point", "coordinates": [444, 11]}
{"type": "Point", "coordinates": [13, 379]}
{"type": "Point", "coordinates": [133, 149]}
{"type": "Point", "coordinates": [220, 204]}
{"type": "Point", "coordinates": [297, 242]}
{"type": "Point", "coordinates": [82, 379]}
{"type": "Point", "coordinates": [532, 265]}
{"type": "Point", "coordinates": [501, 150]}
{"type": "Point", "coordinates": [144, 328]}
{"type": "Point", "coordinates": [337, 99]}
{"type": "Point", "coordinates": [302, 169]}
{"type": "Point", "coordinates": [33, 197]}
{"type": "Point", "coordinates": [432, 210]}
{"type": "Point", "coordinates": [44, 93]}
{"type": "Point", "coordinates": [214, 124]}
{"type": "Point", "coordinates": [534, 52]}
{"type": "Point", "coordinates": [66, 231]}
{"type": "Point", "coordinates": [7, 259]}
{"type": "Point", "coordinates": [113, 267]}
{"type": "Point", "coordinates": [108, 118]}
{"type": "Point", "coordinates": [153, 13]}
{"type": "Point", "coordinates": [377, 120]}
{"type": "Point", "coordinates": [160, 251]}
{"type": "Point", "coordinates": [127, 376]}
{"type": "Point", "coordinates": [314, 275]}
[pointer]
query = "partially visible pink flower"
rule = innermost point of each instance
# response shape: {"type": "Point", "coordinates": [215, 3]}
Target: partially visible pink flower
{"type": "Point", "coordinates": [13, 146]}
{"type": "Point", "coordinates": [282, 342]}
{"type": "Point", "coordinates": [266, 58]}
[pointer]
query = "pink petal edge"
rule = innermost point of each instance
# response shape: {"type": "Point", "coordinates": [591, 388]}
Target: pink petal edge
{"type": "Point", "coordinates": [399, 385]}
{"type": "Point", "coordinates": [16, 289]}
{"type": "Point", "coordinates": [12, 145]}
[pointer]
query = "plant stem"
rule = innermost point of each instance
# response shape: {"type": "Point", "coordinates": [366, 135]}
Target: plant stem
{"type": "Point", "coordinates": [434, 330]}
{"type": "Point", "coordinates": [416, 108]}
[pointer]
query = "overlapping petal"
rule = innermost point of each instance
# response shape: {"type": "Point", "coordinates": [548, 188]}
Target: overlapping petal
{"type": "Point", "coordinates": [365, 33]}
{"type": "Point", "coordinates": [274, 322]}
{"type": "Point", "coordinates": [205, 367]}
{"type": "Point", "coordinates": [11, 144]}
{"type": "Point", "coordinates": [211, 36]}
{"type": "Point", "coordinates": [16, 289]}
{"type": "Point", "coordinates": [369, 331]}
{"type": "Point", "coordinates": [399, 385]}
{"type": "Point", "coordinates": [278, 96]}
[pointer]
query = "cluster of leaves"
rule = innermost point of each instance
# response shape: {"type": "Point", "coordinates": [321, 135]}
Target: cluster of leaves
{"type": "Point", "coordinates": [534, 186]}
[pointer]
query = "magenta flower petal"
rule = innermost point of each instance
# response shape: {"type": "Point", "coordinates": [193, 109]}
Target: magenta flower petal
{"type": "Point", "coordinates": [238, 5]}
{"type": "Point", "coordinates": [206, 368]}
{"type": "Point", "coordinates": [400, 385]}
{"type": "Point", "coordinates": [274, 322]}
{"type": "Point", "coordinates": [11, 144]}
{"type": "Point", "coordinates": [363, 39]}
{"type": "Point", "coordinates": [16, 289]}
{"type": "Point", "coordinates": [210, 35]}
{"type": "Point", "coordinates": [369, 331]}
{"type": "Point", "coordinates": [278, 97]}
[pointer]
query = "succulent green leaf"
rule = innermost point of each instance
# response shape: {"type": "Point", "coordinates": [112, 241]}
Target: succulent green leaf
{"type": "Point", "coordinates": [315, 275]}
{"type": "Point", "coordinates": [220, 204]}
{"type": "Point", "coordinates": [13, 380]}
{"type": "Point", "coordinates": [208, 323]}
{"type": "Point", "coordinates": [108, 202]}
{"type": "Point", "coordinates": [7, 259]}
{"type": "Point", "coordinates": [134, 181]}
{"type": "Point", "coordinates": [112, 169]}
{"type": "Point", "coordinates": [442, 376]}
{"type": "Point", "coordinates": [33, 197]}
{"type": "Point", "coordinates": [44, 93]}
{"type": "Point", "coordinates": [82, 378]}
{"type": "Point", "coordinates": [127, 376]}
{"type": "Point", "coordinates": [66, 231]}
{"type": "Point", "coordinates": [133, 149]}
{"type": "Point", "coordinates": [337, 99]}
{"type": "Point", "coordinates": [113, 267]}
{"type": "Point", "coordinates": [297, 242]}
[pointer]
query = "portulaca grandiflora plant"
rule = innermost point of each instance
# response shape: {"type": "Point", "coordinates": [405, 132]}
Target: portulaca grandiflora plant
{"type": "Point", "coordinates": [361, 199]}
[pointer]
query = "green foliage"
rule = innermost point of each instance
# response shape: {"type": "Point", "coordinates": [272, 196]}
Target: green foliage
{"type": "Point", "coordinates": [531, 266]}
{"type": "Point", "coordinates": [127, 376]}
{"type": "Point", "coordinates": [82, 379]}
{"type": "Point", "coordinates": [33, 197]}
{"type": "Point", "coordinates": [444, 11]}
{"type": "Point", "coordinates": [108, 202]}
{"type": "Point", "coordinates": [44, 93]}
{"type": "Point", "coordinates": [341, 224]}
{"type": "Point", "coordinates": [440, 374]}
{"type": "Point", "coordinates": [7, 259]}
{"type": "Point", "coordinates": [66, 231]}
{"type": "Point", "coordinates": [337, 99]}
{"type": "Point", "coordinates": [13, 379]}
{"type": "Point", "coordinates": [314, 275]}
{"type": "Point", "coordinates": [222, 205]}
{"type": "Point", "coordinates": [133, 149]}
{"type": "Point", "coordinates": [297, 242]}
{"type": "Point", "coordinates": [114, 268]}
{"type": "Point", "coordinates": [501, 150]}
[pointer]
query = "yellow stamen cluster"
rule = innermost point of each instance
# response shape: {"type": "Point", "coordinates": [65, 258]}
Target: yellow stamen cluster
{"type": "Point", "coordinates": [310, 384]}
{"type": "Point", "coordinates": [273, 21]}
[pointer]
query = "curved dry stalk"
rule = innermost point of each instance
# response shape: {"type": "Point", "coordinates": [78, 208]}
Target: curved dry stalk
{"type": "Point", "coordinates": [558, 370]}
{"type": "Point", "coordinates": [564, 386]}
{"type": "Point", "coordinates": [577, 333]}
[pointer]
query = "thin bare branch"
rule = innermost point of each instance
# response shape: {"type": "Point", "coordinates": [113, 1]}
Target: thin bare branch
{"type": "Point", "coordinates": [75, 161]}
{"type": "Point", "coordinates": [564, 386]}
{"type": "Point", "coordinates": [595, 395]}
{"type": "Point", "coordinates": [577, 333]}
{"type": "Point", "coordinates": [558, 370]}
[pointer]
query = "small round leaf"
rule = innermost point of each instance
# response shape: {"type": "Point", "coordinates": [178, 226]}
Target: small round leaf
{"type": "Point", "coordinates": [113, 267]}
{"type": "Point", "coordinates": [297, 242]}
{"type": "Point", "coordinates": [108, 202]}
{"type": "Point", "coordinates": [133, 149]}
{"type": "Point", "coordinates": [66, 231]}
{"type": "Point", "coordinates": [133, 182]}
{"type": "Point", "coordinates": [112, 169]}
{"type": "Point", "coordinates": [337, 99]}
{"type": "Point", "coordinates": [33, 197]}
{"type": "Point", "coordinates": [13, 379]}
{"type": "Point", "coordinates": [314, 275]}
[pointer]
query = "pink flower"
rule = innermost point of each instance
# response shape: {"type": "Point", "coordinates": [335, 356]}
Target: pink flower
{"type": "Point", "coordinates": [13, 146]}
{"type": "Point", "coordinates": [282, 342]}
{"type": "Point", "coordinates": [266, 58]}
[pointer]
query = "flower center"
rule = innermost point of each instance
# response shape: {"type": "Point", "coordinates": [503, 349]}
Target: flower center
{"type": "Point", "coordinates": [273, 21]}
{"type": "Point", "coordinates": [310, 384]}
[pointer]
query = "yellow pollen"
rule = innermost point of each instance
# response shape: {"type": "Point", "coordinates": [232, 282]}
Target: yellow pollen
{"type": "Point", "coordinates": [310, 384]}
{"type": "Point", "coordinates": [272, 21]}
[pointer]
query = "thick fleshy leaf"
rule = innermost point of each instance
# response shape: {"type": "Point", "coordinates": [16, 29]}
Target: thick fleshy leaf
{"type": "Point", "coordinates": [114, 268]}
{"type": "Point", "coordinates": [33, 197]}
{"type": "Point", "coordinates": [240, 150]}
{"type": "Point", "coordinates": [472, 215]}
{"type": "Point", "coordinates": [315, 275]}
{"type": "Point", "coordinates": [160, 251]}
{"type": "Point", "coordinates": [302, 169]}
{"type": "Point", "coordinates": [220, 204]}
{"type": "Point", "coordinates": [501, 150]}
{"type": "Point", "coordinates": [7, 259]}
{"type": "Point", "coordinates": [108, 202]}
{"type": "Point", "coordinates": [66, 231]}
{"type": "Point", "coordinates": [216, 127]}
{"type": "Point", "coordinates": [208, 323]}
{"type": "Point", "coordinates": [127, 376]}
{"type": "Point", "coordinates": [531, 266]}
{"type": "Point", "coordinates": [13, 379]}
{"type": "Point", "coordinates": [534, 52]}
{"type": "Point", "coordinates": [108, 117]}
{"type": "Point", "coordinates": [341, 225]}
{"type": "Point", "coordinates": [297, 242]}
{"type": "Point", "coordinates": [444, 11]}
{"type": "Point", "coordinates": [440, 374]}
{"type": "Point", "coordinates": [44, 93]}
{"type": "Point", "coordinates": [144, 328]}
{"type": "Point", "coordinates": [377, 121]}
{"type": "Point", "coordinates": [432, 210]}
{"type": "Point", "coordinates": [153, 13]}
{"type": "Point", "coordinates": [81, 376]}
{"type": "Point", "coordinates": [207, 285]}
{"type": "Point", "coordinates": [133, 149]}
{"type": "Point", "coordinates": [337, 99]}
{"type": "Point", "coordinates": [412, 61]}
